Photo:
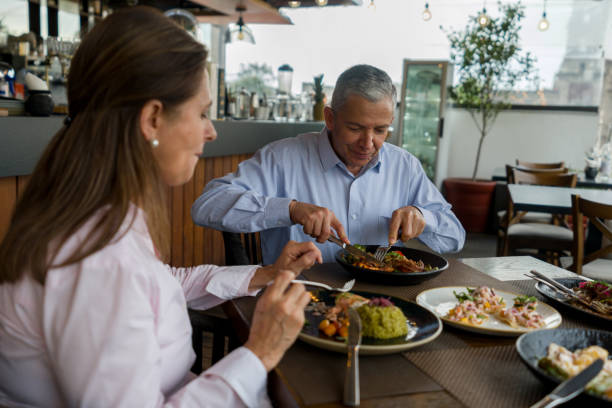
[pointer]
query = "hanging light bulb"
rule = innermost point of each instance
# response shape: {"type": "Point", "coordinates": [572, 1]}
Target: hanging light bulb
{"type": "Point", "coordinates": [240, 31]}
{"type": "Point", "coordinates": [321, 3]}
{"type": "Point", "coordinates": [483, 19]}
{"type": "Point", "coordinates": [294, 4]}
{"type": "Point", "coordinates": [426, 13]}
{"type": "Point", "coordinates": [372, 6]}
{"type": "Point", "coordinates": [543, 24]}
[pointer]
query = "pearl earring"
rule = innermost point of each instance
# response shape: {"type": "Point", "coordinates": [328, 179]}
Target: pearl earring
{"type": "Point", "coordinates": [154, 143]}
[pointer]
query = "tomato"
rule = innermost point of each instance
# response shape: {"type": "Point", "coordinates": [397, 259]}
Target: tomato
{"type": "Point", "coordinates": [323, 325]}
{"type": "Point", "coordinates": [343, 332]}
{"type": "Point", "coordinates": [330, 330]}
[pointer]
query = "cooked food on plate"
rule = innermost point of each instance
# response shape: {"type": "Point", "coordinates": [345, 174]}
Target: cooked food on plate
{"type": "Point", "coordinates": [595, 292]}
{"type": "Point", "coordinates": [380, 318]}
{"type": "Point", "coordinates": [394, 261]}
{"type": "Point", "coordinates": [562, 363]}
{"type": "Point", "coordinates": [477, 304]}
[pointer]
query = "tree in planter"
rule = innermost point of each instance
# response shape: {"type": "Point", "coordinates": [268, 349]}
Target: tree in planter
{"type": "Point", "coordinates": [489, 62]}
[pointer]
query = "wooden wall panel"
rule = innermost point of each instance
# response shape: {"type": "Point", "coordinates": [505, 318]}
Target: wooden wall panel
{"type": "Point", "coordinates": [190, 244]}
{"type": "Point", "coordinates": [8, 198]}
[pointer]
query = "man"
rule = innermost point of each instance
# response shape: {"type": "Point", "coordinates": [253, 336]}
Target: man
{"type": "Point", "coordinates": [344, 180]}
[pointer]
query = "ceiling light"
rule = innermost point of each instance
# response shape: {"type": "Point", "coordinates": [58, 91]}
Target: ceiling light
{"type": "Point", "coordinates": [321, 3]}
{"type": "Point", "coordinates": [426, 13]}
{"type": "Point", "coordinates": [482, 18]}
{"type": "Point", "coordinates": [543, 24]}
{"type": "Point", "coordinates": [372, 6]}
{"type": "Point", "coordinates": [294, 4]}
{"type": "Point", "coordinates": [240, 32]}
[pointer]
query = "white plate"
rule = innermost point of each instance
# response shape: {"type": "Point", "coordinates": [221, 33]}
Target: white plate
{"type": "Point", "coordinates": [441, 300]}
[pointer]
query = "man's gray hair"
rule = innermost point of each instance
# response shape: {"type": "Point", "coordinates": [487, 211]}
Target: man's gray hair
{"type": "Point", "coordinates": [366, 81]}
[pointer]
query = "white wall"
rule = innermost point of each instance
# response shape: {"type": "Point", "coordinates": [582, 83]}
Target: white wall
{"type": "Point", "coordinates": [539, 136]}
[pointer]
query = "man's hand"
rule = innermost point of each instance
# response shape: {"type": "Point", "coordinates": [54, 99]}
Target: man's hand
{"type": "Point", "coordinates": [407, 219]}
{"type": "Point", "coordinates": [317, 221]}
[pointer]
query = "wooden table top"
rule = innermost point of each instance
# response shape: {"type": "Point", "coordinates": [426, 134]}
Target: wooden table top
{"type": "Point", "coordinates": [283, 382]}
{"type": "Point", "coordinates": [556, 200]}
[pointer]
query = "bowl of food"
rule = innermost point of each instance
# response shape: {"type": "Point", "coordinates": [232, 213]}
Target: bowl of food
{"type": "Point", "coordinates": [403, 266]}
{"type": "Point", "coordinates": [555, 355]}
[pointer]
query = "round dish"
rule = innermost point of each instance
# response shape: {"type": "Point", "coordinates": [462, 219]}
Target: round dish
{"type": "Point", "coordinates": [441, 300]}
{"type": "Point", "coordinates": [396, 278]}
{"type": "Point", "coordinates": [556, 297]}
{"type": "Point", "coordinates": [533, 346]}
{"type": "Point", "coordinates": [427, 326]}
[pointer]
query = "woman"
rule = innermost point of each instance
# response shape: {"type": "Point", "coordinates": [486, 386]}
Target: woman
{"type": "Point", "coordinates": [89, 314]}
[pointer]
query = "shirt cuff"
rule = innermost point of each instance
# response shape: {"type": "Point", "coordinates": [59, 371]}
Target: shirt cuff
{"type": "Point", "coordinates": [246, 374]}
{"type": "Point", "coordinates": [277, 213]}
{"type": "Point", "coordinates": [232, 282]}
{"type": "Point", "coordinates": [430, 220]}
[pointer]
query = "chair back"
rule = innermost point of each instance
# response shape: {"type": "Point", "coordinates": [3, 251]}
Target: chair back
{"type": "Point", "coordinates": [242, 248]}
{"type": "Point", "coordinates": [597, 213]}
{"type": "Point", "coordinates": [544, 178]}
{"type": "Point", "coordinates": [531, 165]}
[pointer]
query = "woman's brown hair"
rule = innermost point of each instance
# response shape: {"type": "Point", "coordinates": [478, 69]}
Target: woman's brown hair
{"type": "Point", "coordinates": [100, 160]}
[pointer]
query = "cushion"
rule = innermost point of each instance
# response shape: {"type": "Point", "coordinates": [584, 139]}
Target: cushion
{"type": "Point", "coordinates": [599, 269]}
{"type": "Point", "coordinates": [544, 231]}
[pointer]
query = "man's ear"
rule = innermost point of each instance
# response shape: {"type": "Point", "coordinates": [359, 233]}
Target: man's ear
{"type": "Point", "coordinates": [329, 118]}
{"type": "Point", "coordinates": [150, 119]}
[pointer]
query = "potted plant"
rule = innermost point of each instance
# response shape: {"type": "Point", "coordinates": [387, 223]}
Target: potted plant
{"type": "Point", "coordinates": [488, 63]}
{"type": "Point", "coordinates": [319, 97]}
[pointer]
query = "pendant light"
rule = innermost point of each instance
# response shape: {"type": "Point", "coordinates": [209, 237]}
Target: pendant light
{"type": "Point", "coordinates": [426, 13]}
{"type": "Point", "coordinates": [543, 24]}
{"type": "Point", "coordinates": [321, 3]}
{"type": "Point", "coordinates": [240, 32]}
{"type": "Point", "coordinates": [372, 6]}
{"type": "Point", "coordinates": [483, 18]}
{"type": "Point", "coordinates": [294, 4]}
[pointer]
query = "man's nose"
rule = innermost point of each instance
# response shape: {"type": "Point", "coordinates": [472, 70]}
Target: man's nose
{"type": "Point", "coordinates": [367, 138]}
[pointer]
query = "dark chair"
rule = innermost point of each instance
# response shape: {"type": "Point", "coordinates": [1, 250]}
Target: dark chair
{"type": "Point", "coordinates": [240, 249]}
{"type": "Point", "coordinates": [540, 166]}
{"type": "Point", "coordinates": [597, 264]}
{"type": "Point", "coordinates": [546, 238]}
{"type": "Point", "coordinates": [522, 216]}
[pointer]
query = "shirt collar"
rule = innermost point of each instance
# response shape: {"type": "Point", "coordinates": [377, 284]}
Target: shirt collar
{"type": "Point", "coordinates": [330, 159]}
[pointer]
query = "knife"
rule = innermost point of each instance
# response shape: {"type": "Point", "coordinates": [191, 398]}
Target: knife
{"type": "Point", "coordinates": [351, 381]}
{"type": "Point", "coordinates": [353, 250]}
{"type": "Point", "coordinates": [570, 388]}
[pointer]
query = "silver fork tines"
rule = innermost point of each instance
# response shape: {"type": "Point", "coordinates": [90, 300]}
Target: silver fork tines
{"type": "Point", "coordinates": [381, 252]}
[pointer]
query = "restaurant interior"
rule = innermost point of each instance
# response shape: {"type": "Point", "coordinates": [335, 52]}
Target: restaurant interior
{"type": "Point", "coordinates": [528, 174]}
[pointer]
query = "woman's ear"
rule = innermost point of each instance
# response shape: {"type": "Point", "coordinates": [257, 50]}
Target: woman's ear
{"type": "Point", "coordinates": [151, 119]}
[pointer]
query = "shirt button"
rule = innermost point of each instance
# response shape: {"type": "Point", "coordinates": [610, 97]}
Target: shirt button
{"type": "Point", "coordinates": [354, 216]}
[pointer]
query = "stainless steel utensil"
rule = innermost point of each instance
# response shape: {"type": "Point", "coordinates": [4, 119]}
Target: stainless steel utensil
{"type": "Point", "coordinates": [354, 250]}
{"type": "Point", "coordinates": [570, 388]}
{"type": "Point", "coordinates": [345, 288]}
{"type": "Point", "coordinates": [351, 381]}
{"type": "Point", "coordinates": [381, 252]}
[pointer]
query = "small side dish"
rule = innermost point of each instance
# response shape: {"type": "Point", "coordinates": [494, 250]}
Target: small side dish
{"type": "Point", "coordinates": [563, 364]}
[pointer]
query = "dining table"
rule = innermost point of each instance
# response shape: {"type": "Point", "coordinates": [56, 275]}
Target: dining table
{"type": "Point", "coordinates": [458, 368]}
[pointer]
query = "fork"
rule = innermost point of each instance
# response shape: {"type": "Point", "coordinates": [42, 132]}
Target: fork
{"type": "Point", "coordinates": [381, 252]}
{"type": "Point", "coordinates": [347, 285]}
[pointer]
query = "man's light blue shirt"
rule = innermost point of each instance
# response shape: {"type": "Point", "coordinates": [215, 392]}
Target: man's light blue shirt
{"type": "Point", "coordinates": [305, 168]}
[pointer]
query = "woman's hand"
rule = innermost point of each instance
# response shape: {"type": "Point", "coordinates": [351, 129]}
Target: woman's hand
{"type": "Point", "coordinates": [295, 257]}
{"type": "Point", "coordinates": [278, 318]}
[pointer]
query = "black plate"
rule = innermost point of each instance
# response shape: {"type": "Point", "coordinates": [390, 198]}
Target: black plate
{"type": "Point", "coordinates": [423, 327]}
{"type": "Point", "coordinates": [570, 283]}
{"type": "Point", "coordinates": [396, 278]}
{"type": "Point", "coordinates": [534, 345]}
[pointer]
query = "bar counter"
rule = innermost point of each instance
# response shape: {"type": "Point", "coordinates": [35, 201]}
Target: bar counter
{"type": "Point", "coordinates": [23, 139]}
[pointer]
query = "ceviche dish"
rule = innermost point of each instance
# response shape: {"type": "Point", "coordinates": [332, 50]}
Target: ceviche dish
{"type": "Point", "coordinates": [595, 292]}
{"type": "Point", "coordinates": [563, 364]}
{"type": "Point", "coordinates": [479, 304]}
{"type": "Point", "coordinates": [380, 318]}
{"type": "Point", "coordinates": [394, 261]}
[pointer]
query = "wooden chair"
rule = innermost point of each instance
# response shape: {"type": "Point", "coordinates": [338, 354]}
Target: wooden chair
{"type": "Point", "coordinates": [597, 264]}
{"type": "Point", "coordinates": [240, 249]}
{"type": "Point", "coordinates": [547, 238]}
{"type": "Point", "coordinates": [541, 166]}
{"type": "Point", "coordinates": [523, 216]}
